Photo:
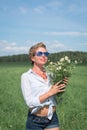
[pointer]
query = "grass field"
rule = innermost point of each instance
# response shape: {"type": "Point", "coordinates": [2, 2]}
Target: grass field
{"type": "Point", "coordinates": [72, 110]}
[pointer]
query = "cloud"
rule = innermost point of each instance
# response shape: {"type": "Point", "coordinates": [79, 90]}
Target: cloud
{"type": "Point", "coordinates": [54, 4]}
{"type": "Point", "coordinates": [12, 48]}
{"type": "Point", "coordinates": [85, 44]}
{"type": "Point", "coordinates": [47, 7]}
{"type": "Point", "coordinates": [55, 46]}
{"type": "Point", "coordinates": [67, 33]}
{"type": "Point", "coordinates": [39, 9]}
{"type": "Point", "coordinates": [77, 8]}
{"type": "Point", "coordinates": [23, 10]}
{"type": "Point", "coordinates": [3, 43]}
{"type": "Point", "coordinates": [19, 49]}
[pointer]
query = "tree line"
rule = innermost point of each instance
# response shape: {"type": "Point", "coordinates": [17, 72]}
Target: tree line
{"type": "Point", "coordinates": [79, 57]}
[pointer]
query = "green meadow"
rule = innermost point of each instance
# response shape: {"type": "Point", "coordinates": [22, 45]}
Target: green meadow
{"type": "Point", "coordinates": [72, 108]}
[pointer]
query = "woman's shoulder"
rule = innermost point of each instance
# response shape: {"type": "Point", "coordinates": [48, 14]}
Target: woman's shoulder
{"type": "Point", "coordinates": [26, 73]}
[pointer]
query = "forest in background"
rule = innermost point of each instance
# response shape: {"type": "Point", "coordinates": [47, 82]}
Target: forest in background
{"type": "Point", "coordinates": [79, 57]}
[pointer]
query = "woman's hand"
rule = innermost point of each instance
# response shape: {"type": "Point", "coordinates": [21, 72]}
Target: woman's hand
{"type": "Point", "coordinates": [57, 88]}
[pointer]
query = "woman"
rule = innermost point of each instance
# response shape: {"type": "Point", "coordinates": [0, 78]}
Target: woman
{"type": "Point", "coordinates": [39, 93]}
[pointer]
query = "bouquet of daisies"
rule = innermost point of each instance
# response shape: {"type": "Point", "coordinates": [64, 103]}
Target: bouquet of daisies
{"type": "Point", "coordinates": [60, 69]}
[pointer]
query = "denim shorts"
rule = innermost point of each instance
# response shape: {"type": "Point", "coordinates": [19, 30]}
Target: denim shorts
{"type": "Point", "coordinates": [40, 123]}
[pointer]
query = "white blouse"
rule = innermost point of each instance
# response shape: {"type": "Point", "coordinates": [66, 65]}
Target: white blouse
{"type": "Point", "coordinates": [33, 86]}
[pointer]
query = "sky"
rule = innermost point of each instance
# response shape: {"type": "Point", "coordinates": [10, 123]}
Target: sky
{"type": "Point", "coordinates": [60, 24]}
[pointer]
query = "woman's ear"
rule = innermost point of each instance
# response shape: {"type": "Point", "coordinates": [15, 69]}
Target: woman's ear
{"type": "Point", "coordinates": [33, 58]}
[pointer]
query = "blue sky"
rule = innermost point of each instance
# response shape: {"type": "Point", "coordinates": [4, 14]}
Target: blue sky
{"type": "Point", "coordinates": [60, 24]}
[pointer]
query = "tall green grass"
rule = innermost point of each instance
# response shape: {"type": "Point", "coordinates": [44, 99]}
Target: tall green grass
{"type": "Point", "coordinates": [13, 111]}
{"type": "Point", "coordinates": [72, 110]}
{"type": "Point", "coordinates": [12, 107]}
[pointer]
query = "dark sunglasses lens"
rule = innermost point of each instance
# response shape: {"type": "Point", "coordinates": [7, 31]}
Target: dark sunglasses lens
{"type": "Point", "coordinates": [39, 53]}
{"type": "Point", "coordinates": [46, 54]}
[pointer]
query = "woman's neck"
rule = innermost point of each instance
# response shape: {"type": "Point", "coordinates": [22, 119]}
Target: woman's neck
{"type": "Point", "coordinates": [38, 68]}
{"type": "Point", "coordinates": [40, 71]}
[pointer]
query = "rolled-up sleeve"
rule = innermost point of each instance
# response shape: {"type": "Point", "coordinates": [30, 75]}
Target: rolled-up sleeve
{"type": "Point", "coordinates": [27, 92]}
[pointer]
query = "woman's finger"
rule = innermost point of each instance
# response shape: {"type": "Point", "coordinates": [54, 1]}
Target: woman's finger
{"type": "Point", "coordinates": [58, 83]}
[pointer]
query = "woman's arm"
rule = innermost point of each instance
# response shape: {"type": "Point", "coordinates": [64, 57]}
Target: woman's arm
{"type": "Point", "coordinates": [30, 100]}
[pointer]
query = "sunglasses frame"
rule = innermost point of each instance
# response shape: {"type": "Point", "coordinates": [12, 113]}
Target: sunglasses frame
{"type": "Point", "coordinates": [39, 53]}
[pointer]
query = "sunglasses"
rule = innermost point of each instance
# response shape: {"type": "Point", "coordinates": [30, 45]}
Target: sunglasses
{"type": "Point", "coordinates": [39, 53]}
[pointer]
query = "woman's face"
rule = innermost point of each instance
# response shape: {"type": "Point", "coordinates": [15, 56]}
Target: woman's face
{"type": "Point", "coordinates": [41, 56]}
